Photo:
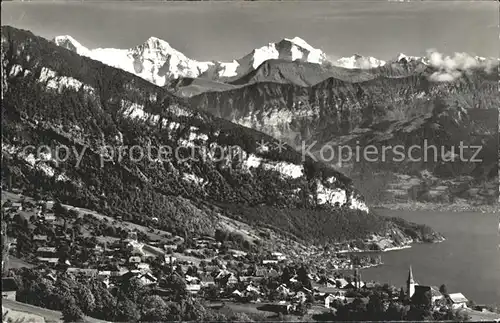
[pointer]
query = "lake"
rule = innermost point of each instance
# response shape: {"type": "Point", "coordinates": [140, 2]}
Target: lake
{"type": "Point", "coordinates": [467, 262]}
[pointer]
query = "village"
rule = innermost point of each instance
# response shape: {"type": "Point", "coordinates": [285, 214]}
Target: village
{"type": "Point", "coordinates": [209, 268]}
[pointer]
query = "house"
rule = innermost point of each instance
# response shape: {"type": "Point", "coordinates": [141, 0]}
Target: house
{"type": "Point", "coordinates": [369, 285]}
{"type": "Point", "coordinates": [354, 285]}
{"type": "Point", "coordinates": [49, 217]}
{"type": "Point", "coordinates": [40, 239]}
{"type": "Point", "coordinates": [222, 273]}
{"type": "Point", "coordinates": [324, 290]}
{"type": "Point", "coordinates": [47, 254]}
{"type": "Point", "coordinates": [147, 279]}
{"type": "Point", "coordinates": [132, 236]}
{"type": "Point", "coordinates": [9, 288]}
{"type": "Point", "coordinates": [261, 272]}
{"type": "Point", "coordinates": [143, 267]}
{"type": "Point", "coordinates": [129, 275]}
{"type": "Point", "coordinates": [82, 272]}
{"type": "Point", "coordinates": [46, 251]}
{"type": "Point", "coordinates": [134, 260]}
{"type": "Point", "coordinates": [252, 289]}
{"type": "Point", "coordinates": [245, 279]}
{"type": "Point", "coordinates": [436, 294]}
{"type": "Point", "coordinates": [329, 298]}
{"type": "Point", "coordinates": [433, 290]}
{"type": "Point", "coordinates": [237, 253]}
{"type": "Point", "coordinates": [16, 206]}
{"type": "Point", "coordinates": [170, 260]}
{"type": "Point", "coordinates": [193, 288]}
{"type": "Point", "coordinates": [341, 283]}
{"type": "Point", "coordinates": [192, 279]}
{"type": "Point", "coordinates": [278, 256]}
{"type": "Point", "coordinates": [51, 277]}
{"type": "Point", "coordinates": [283, 290]}
{"type": "Point", "coordinates": [313, 277]}
{"type": "Point", "coordinates": [228, 279]}
{"type": "Point", "coordinates": [458, 300]}
{"type": "Point", "coordinates": [168, 247]}
{"type": "Point", "coordinates": [328, 282]}
{"type": "Point", "coordinates": [104, 273]}
{"type": "Point", "coordinates": [301, 296]}
{"type": "Point", "coordinates": [207, 280]}
{"type": "Point", "coordinates": [237, 294]}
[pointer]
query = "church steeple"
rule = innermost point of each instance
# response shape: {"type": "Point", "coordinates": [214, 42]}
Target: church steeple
{"type": "Point", "coordinates": [410, 283]}
{"type": "Point", "coordinates": [410, 276]}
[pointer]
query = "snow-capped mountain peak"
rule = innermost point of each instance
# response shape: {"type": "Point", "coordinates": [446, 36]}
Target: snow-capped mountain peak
{"type": "Point", "coordinates": [300, 42]}
{"type": "Point", "coordinates": [358, 61]}
{"type": "Point", "coordinates": [291, 49]}
{"type": "Point", "coordinates": [157, 46]}
{"type": "Point", "coordinates": [402, 58]}
{"type": "Point", "coordinates": [68, 42]}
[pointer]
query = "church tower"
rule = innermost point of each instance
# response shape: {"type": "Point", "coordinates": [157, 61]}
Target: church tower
{"type": "Point", "coordinates": [410, 284]}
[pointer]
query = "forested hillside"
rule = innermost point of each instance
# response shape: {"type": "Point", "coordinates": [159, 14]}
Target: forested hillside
{"type": "Point", "coordinates": [54, 97]}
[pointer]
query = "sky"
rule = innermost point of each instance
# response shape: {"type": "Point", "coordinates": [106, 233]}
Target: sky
{"type": "Point", "coordinates": [229, 30]}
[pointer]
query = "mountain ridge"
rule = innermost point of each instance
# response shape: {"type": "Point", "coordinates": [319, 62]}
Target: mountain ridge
{"type": "Point", "coordinates": [379, 110]}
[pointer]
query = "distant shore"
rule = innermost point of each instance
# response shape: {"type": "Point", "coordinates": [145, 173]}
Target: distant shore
{"type": "Point", "coordinates": [420, 206]}
{"type": "Point", "coordinates": [373, 251]}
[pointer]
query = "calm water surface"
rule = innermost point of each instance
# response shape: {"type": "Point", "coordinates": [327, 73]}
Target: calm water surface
{"type": "Point", "coordinates": [467, 262]}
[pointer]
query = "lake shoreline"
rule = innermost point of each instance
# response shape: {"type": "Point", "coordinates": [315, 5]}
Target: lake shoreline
{"type": "Point", "coordinates": [467, 233]}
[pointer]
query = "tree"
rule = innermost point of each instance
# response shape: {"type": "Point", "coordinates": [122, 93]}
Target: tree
{"type": "Point", "coordinates": [421, 307]}
{"type": "Point", "coordinates": [85, 298]}
{"type": "Point", "coordinates": [71, 312]}
{"type": "Point", "coordinates": [126, 311]}
{"type": "Point", "coordinates": [131, 289]}
{"type": "Point", "coordinates": [303, 277]}
{"type": "Point", "coordinates": [153, 308]}
{"type": "Point", "coordinates": [103, 300]}
{"type": "Point", "coordinates": [375, 307]}
{"type": "Point", "coordinates": [395, 312]}
{"type": "Point", "coordinates": [443, 290]}
{"type": "Point", "coordinates": [177, 286]}
{"type": "Point", "coordinates": [59, 210]}
{"type": "Point", "coordinates": [240, 317]}
{"type": "Point", "coordinates": [72, 213]}
{"type": "Point", "coordinates": [301, 309]}
{"type": "Point", "coordinates": [402, 294]}
{"type": "Point", "coordinates": [192, 310]}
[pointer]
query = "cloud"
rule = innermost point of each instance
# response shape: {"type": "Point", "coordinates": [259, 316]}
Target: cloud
{"type": "Point", "coordinates": [460, 61]}
{"type": "Point", "coordinates": [445, 76]}
{"type": "Point", "coordinates": [452, 67]}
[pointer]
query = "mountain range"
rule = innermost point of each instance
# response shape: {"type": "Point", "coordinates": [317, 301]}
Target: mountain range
{"type": "Point", "coordinates": [297, 94]}
{"type": "Point", "coordinates": [158, 62]}
{"type": "Point", "coordinates": [56, 97]}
